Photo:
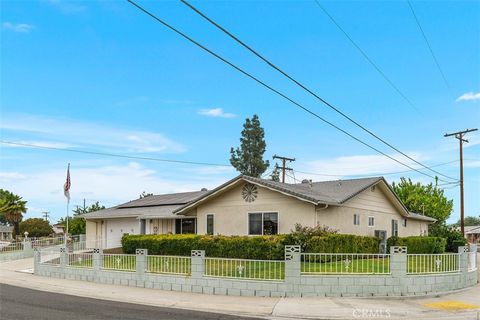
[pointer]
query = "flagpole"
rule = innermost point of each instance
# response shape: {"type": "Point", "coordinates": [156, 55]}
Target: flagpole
{"type": "Point", "coordinates": [67, 194]}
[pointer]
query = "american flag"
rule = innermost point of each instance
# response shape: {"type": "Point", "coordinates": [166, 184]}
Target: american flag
{"type": "Point", "coordinates": [66, 186]}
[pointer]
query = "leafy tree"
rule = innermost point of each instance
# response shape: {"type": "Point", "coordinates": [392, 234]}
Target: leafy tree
{"type": "Point", "coordinates": [77, 224]}
{"type": "Point", "coordinates": [275, 175]}
{"type": "Point", "coordinates": [144, 195]}
{"type": "Point", "coordinates": [12, 207]}
{"type": "Point", "coordinates": [248, 158]}
{"type": "Point", "coordinates": [94, 207]}
{"type": "Point", "coordinates": [470, 221]}
{"type": "Point", "coordinates": [3, 220]}
{"type": "Point", "coordinates": [36, 227]}
{"type": "Point", "coordinates": [426, 199]}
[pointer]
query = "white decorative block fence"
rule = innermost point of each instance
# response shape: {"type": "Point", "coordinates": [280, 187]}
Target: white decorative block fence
{"type": "Point", "coordinates": [299, 274]}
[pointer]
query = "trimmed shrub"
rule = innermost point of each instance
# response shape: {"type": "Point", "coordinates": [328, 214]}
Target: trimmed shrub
{"type": "Point", "coordinates": [342, 243]}
{"type": "Point", "coordinates": [419, 244]}
{"type": "Point", "coordinates": [244, 247]}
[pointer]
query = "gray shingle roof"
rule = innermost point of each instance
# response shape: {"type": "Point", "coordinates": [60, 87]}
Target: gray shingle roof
{"type": "Point", "coordinates": [163, 199]}
{"type": "Point", "coordinates": [418, 216]}
{"type": "Point", "coordinates": [4, 228]}
{"type": "Point", "coordinates": [156, 206]}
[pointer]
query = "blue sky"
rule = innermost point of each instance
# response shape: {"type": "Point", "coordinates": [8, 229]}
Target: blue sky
{"type": "Point", "coordinates": [102, 76]}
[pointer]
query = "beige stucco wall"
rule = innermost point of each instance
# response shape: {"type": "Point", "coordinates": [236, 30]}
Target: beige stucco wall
{"type": "Point", "coordinates": [231, 211]}
{"type": "Point", "coordinates": [369, 203]}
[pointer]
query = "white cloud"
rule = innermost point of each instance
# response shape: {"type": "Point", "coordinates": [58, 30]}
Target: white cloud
{"type": "Point", "coordinates": [68, 7]}
{"type": "Point", "coordinates": [45, 144]}
{"type": "Point", "coordinates": [469, 96]}
{"type": "Point", "coordinates": [111, 185]}
{"type": "Point", "coordinates": [9, 176]}
{"type": "Point", "coordinates": [89, 134]}
{"type": "Point", "coordinates": [216, 112]}
{"type": "Point", "coordinates": [20, 27]}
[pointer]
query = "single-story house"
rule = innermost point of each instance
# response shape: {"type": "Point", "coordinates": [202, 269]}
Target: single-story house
{"type": "Point", "coordinates": [472, 233]}
{"type": "Point", "coordinates": [254, 206]}
{"type": "Point", "coordinates": [58, 228]}
{"type": "Point", "coordinates": [6, 233]}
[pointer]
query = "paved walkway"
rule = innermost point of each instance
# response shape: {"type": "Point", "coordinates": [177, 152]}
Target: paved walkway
{"type": "Point", "coordinates": [460, 305]}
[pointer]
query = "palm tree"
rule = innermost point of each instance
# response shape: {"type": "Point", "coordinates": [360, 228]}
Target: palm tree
{"type": "Point", "coordinates": [12, 207]}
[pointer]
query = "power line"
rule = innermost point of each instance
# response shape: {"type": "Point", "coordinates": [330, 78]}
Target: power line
{"type": "Point", "coordinates": [269, 87]}
{"type": "Point", "coordinates": [374, 174]}
{"type": "Point", "coordinates": [328, 104]}
{"type": "Point", "coordinates": [113, 154]}
{"type": "Point", "coordinates": [362, 52]}
{"type": "Point", "coordinates": [428, 44]}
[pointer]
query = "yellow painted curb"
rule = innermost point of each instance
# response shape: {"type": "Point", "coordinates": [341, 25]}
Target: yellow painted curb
{"type": "Point", "coordinates": [451, 305]}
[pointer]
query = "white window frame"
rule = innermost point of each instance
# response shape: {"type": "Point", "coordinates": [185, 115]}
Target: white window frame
{"type": "Point", "coordinates": [206, 223]}
{"type": "Point", "coordinates": [373, 219]}
{"type": "Point", "coordinates": [262, 212]}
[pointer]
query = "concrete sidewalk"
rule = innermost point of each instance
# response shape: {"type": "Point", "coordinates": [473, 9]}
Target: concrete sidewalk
{"type": "Point", "coordinates": [460, 305]}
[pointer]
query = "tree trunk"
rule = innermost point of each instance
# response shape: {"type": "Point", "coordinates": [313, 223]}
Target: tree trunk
{"type": "Point", "coordinates": [17, 228]}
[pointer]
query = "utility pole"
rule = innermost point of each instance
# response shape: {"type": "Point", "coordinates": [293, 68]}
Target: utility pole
{"type": "Point", "coordinates": [459, 135]}
{"type": "Point", "coordinates": [284, 165]}
{"type": "Point", "coordinates": [46, 215]}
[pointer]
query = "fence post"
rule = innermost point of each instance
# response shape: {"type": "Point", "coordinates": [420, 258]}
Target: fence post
{"type": "Point", "coordinates": [463, 252]}
{"type": "Point", "coordinates": [198, 264]}
{"type": "Point", "coordinates": [398, 261]}
{"type": "Point", "coordinates": [27, 248]}
{"type": "Point", "coordinates": [97, 259]}
{"type": "Point", "coordinates": [63, 257]}
{"type": "Point", "coordinates": [141, 266]}
{"type": "Point", "coordinates": [292, 265]}
{"type": "Point", "coordinates": [36, 260]}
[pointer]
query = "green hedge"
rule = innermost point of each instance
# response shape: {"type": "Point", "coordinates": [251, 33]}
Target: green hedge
{"type": "Point", "coordinates": [244, 247]}
{"type": "Point", "coordinates": [419, 244]}
{"type": "Point", "coordinates": [342, 243]}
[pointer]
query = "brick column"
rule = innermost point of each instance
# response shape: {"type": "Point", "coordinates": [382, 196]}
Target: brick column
{"type": "Point", "coordinates": [398, 261]}
{"type": "Point", "coordinates": [292, 264]}
{"type": "Point", "coordinates": [198, 264]}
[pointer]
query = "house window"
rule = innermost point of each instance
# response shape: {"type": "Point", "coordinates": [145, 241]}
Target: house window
{"type": "Point", "coordinates": [210, 224]}
{"type": "Point", "coordinates": [405, 222]}
{"type": "Point", "coordinates": [371, 221]}
{"type": "Point", "coordinates": [356, 219]}
{"type": "Point", "coordinates": [394, 228]}
{"type": "Point", "coordinates": [265, 223]}
{"type": "Point", "coordinates": [185, 226]}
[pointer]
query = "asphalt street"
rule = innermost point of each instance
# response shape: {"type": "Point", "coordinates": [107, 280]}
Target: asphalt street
{"type": "Point", "coordinates": [19, 303]}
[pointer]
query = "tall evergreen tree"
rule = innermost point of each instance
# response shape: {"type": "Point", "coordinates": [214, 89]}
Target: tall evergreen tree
{"type": "Point", "coordinates": [248, 158]}
{"type": "Point", "coordinates": [275, 175]}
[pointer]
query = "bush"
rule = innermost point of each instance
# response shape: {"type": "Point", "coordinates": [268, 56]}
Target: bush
{"type": "Point", "coordinates": [300, 235]}
{"type": "Point", "coordinates": [419, 244]}
{"type": "Point", "coordinates": [342, 243]}
{"type": "Point", "coordinates": [244, 247]}
{"type": "Point", "coordinates": [453, 237]}
{"type": "Point", "coordinates": [35, 227]}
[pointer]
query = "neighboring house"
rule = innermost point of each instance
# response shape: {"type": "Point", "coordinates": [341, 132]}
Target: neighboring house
{"type": "Point", "coordinates": [58, 228]}
{"type": "Point", "coordinates": [472, 233]}
{"type": "Point", "coordinates": [6, 233]}
{"type": "Point", "coordinates": [254, 206]}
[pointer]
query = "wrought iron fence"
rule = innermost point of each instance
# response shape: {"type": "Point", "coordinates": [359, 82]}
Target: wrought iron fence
{"type": "Point", "coordinates": [433, 263]}
{"type": "Point", "coordinates": [245, 269]}
{"type": "Point", "coordinates": [122, 262]}
{"type": "Point", "coordinates": [344, 263]}
{"type": "Point", "coordinates": [169, 264]}
{"type": "Point", "coordinates": [80, 260]}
